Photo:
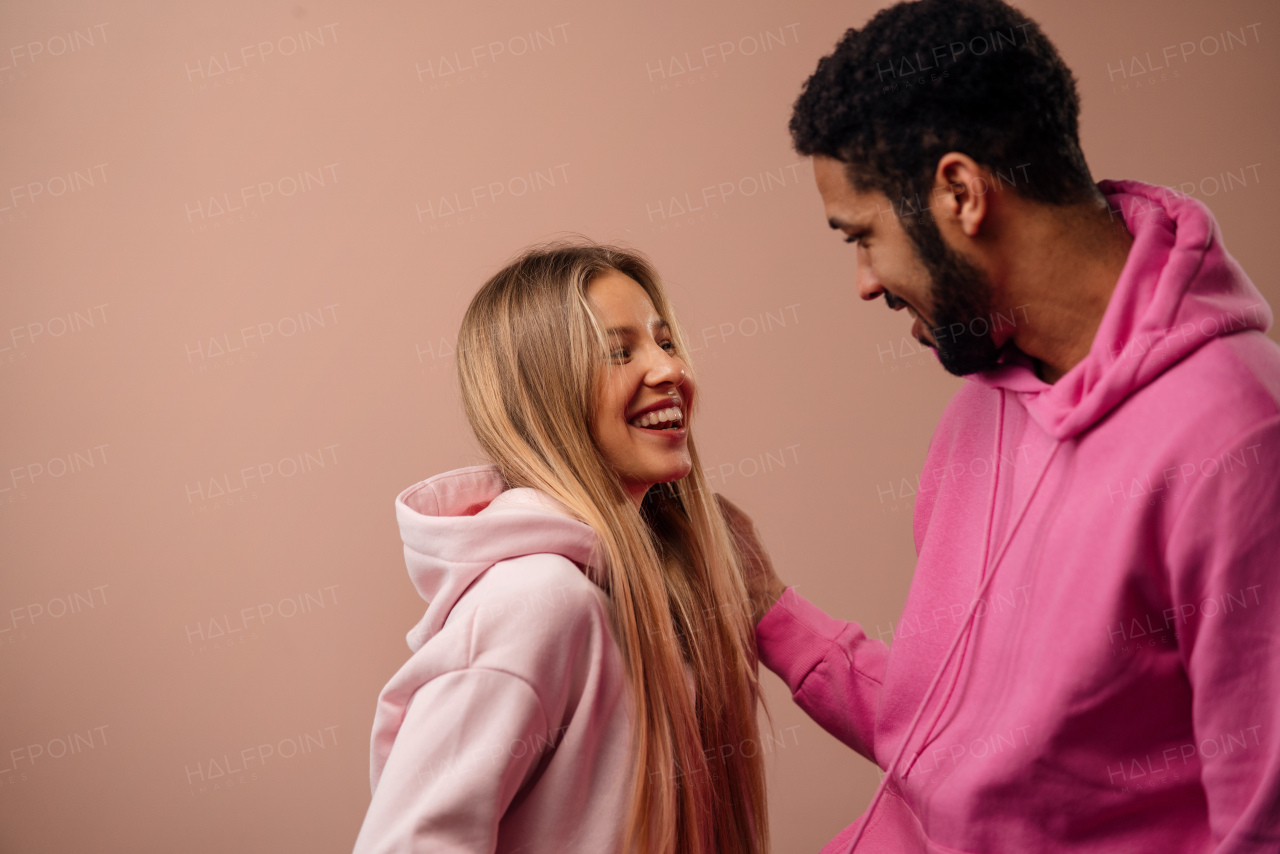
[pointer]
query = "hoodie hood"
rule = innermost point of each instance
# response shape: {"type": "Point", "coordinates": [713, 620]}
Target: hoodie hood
{"type": "Point", "coordinates": [1179, 289]}
{"type": "Point", "coordinates": [458, 524]}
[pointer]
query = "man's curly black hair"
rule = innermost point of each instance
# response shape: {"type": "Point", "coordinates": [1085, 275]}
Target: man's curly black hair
{"type": "Point", "coordinates": [924, 78]}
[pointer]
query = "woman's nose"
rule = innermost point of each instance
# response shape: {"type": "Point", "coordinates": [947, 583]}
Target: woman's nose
{"type": "Point", "coordinates": [666, 368]}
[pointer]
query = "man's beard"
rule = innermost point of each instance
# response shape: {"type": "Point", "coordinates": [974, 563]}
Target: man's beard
{"type": "Point", "coordinates": [962, 303]}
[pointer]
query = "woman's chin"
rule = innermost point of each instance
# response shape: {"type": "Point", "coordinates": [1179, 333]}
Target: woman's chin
{"type": "Point", "coordinates": [674, 471]}
{"type": "Point", "coordinates": [668, 473]}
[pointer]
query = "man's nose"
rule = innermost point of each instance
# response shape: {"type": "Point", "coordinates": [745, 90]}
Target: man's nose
{"type": "Point", "coordinates": [868, 285]}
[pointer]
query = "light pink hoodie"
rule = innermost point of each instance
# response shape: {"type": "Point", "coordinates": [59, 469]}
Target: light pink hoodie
{"type": "Point", "coordinates": [1116, 536]}
{"type": "Point", "coordinates": [509, 728]}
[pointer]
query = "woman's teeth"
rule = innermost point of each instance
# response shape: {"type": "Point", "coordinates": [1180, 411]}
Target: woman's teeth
{"type": "Point", "coordinates": [661, 419]}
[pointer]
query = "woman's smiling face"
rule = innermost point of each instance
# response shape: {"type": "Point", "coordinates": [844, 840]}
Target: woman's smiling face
{"type": "Point", "coordinates": [643, 400]}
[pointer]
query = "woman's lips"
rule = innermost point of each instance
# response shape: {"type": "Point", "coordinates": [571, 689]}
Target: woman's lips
{"type": "Point", "coordinates": [655, 417]}
{"type": "Point", "coordinates": [659, 422]}
{"type": "Point", "coordinates": [672, 433]}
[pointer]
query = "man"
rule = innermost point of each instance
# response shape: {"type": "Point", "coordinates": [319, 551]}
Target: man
{"type": "Point", "coordinates": [1089, 655]}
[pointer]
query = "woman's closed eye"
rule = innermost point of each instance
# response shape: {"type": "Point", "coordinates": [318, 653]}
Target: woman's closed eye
{"type": "Point", "coordinates": [624, 353]}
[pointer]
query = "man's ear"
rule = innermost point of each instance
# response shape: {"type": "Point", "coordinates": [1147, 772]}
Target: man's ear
{"type": "Point", "coordinates": [960, 188]}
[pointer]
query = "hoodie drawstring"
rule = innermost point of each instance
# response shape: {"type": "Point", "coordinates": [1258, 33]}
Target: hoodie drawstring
{"type": "Point", "coordinates": [967, 625]}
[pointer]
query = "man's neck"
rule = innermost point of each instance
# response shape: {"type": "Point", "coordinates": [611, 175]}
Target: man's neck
{"type": "Point", "coordinates": [1061, 271]}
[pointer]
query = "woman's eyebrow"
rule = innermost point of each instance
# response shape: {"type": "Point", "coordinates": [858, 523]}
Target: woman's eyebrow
{"type": "Point", "coordinates": [659, 323]}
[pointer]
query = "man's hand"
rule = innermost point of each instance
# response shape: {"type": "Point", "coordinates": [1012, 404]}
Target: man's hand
{"type": "Point", "coordinates": [762, 583]}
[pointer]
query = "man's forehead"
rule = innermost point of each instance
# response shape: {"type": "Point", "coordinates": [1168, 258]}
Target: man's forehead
{"type": "Point", "coordinates": [844, 204]}
{"type": "Point", "coordinates": [830, 174]}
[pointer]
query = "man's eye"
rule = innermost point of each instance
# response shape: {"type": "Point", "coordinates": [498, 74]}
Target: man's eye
{"type": "Point", "coordinates": [853, 238]}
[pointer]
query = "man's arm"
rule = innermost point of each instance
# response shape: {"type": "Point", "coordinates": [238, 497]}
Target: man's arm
{"type": "Point", "coordinates": [764, 587]}
{"type": "Point", "coordinates": [1223, 556]}
{"type": "Point", "coordinates": [833, 669]}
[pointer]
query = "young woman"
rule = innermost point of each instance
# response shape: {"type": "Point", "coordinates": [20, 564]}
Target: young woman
{"type": "Point", "coordinates": [584, 679]}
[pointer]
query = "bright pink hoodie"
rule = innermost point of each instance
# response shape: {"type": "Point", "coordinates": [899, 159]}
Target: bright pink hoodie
{"type": "Point", "coordinates": [509, 728]}
{"type": "Point", "coordinates": [1117, 534]}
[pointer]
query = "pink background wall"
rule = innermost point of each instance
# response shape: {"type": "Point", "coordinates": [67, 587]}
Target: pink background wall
{"type": "Point", "coordinates": [236, 240]}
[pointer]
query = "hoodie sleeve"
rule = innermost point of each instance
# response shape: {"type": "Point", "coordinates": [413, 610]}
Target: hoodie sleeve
{"type": "Point", "coordinates": [1223, 555]}
{"type": "Point", "coordinates": [833, 669]}
{"type": "Point", "coordinates": [469, 740]}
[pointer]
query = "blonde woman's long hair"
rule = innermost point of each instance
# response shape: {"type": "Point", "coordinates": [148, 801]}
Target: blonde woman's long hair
{"type": "Point", "coordinates": [531, 355]}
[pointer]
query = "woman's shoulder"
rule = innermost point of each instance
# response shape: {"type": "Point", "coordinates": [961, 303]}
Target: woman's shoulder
{"type": "Point", "coordinates": [537, 617]}
{"type": "Point", "coordinates": [533, 584]}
